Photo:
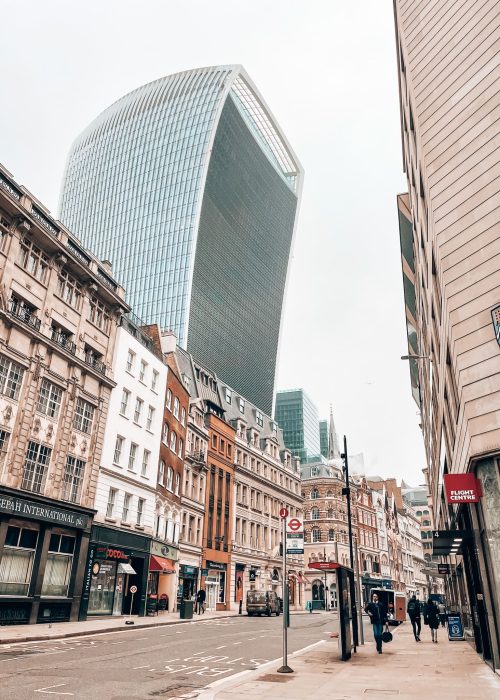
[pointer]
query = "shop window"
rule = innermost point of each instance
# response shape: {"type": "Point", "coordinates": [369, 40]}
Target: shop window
{"type": "Point", "coordinates": [58, 566]}
{"type": "Point", "coordinates": [11, 377]}
{"type": "Point", "coordinates": [73, 479]}
{"type": "Point", "coordinates": [17, 560]}
{"type": "Point", "coordinates": [36, 467]}
{"type": "Point", "coordinates": [84, 415]}
{"type": "Point", "coordinates": [49, 399]}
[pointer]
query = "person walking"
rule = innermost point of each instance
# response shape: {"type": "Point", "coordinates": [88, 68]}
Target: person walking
{"type": "Point", "coordinates": [378, 618]}
{"type": "Point", "coordinates": [414, 610]}
{"type": "Point", "coordinates": [431, 618]}
{"type": "Point", "coordinates": [442, 613]}
{"type": "Point", "coordinates": [200, 601]}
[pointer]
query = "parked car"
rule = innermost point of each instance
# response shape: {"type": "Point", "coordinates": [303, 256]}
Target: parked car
{"type": "Point", "coordinates": [262, 603]}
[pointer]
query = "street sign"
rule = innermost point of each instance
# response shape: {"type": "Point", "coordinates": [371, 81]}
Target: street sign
{"type": "Point", "coordinates": [283, 513]}
{"type": "Point", "coordinates": [455, 627]}
{"type": "Point", "coordinates": [133, 589]}
{"type": "Point", "coordinates": [294, 536]}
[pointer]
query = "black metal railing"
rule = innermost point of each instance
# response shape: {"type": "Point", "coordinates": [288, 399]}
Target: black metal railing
{"type": "Point", "coordinates": [25, 315]}
{"type": "Point", "coordinates": [95, 363]}
{"type": "Point", "coordinates": [63, 340]}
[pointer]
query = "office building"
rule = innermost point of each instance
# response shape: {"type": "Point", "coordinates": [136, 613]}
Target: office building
{"type": "Point", "coordinates": [450, 242]}
{"type": "Point", "coordinates": [189, 186]}
{"type": "Point", "coordinates": [297, 416]}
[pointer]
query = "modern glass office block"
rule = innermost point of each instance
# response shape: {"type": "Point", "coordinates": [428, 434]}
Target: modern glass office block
{"type": "Point", "coordinates": [189, 188]}
{"type": "Point", "coordinates": [297, 416]}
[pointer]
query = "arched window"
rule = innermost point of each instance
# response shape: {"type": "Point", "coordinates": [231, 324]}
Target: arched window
{"type": "Point", "coordinates": [314, 494]}
{"type": "Point", "coordinates": [331, 535]}
{"type": "Point", "coordinates": [315, 514]}
{"type": "Point", "coordinates": [316, 534]}
{"type": "Point", "coordinates": [426, 523]}
{"type": "Point", "coordinates": [419, 512]}
{"type": "Point", "coordinates": [176, 408]}
{"type": "Point", "coordinates": [329, 513]}
{"type": "Point", "coordinates": [164, 435]}
{"type": "Point", "coordinates": [173, 441]}
{"type": "Point", "coordinates": [329, 494]}
{"type": "Point", "coordinates": [168, 402]}
{"type": "Point", "coordinates": [170, 478]}
{"type": "Point", "coordinates": [177, 484]}
{"type": "Point", "coordinates": [161, 471]}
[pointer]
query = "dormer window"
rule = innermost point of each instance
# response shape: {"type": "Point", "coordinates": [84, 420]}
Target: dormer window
{"type": "Point", "coordinates": [259, 418]}
{"type": "Point", "coordinates": [229, 395]}
{"type": "Point", "coordinates": [241, 404]}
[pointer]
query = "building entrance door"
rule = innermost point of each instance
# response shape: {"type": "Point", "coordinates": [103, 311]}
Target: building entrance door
{"type": "Point", "coordinates": [212, 595]}
{"type": "Point", "coordinates": [118, 601]}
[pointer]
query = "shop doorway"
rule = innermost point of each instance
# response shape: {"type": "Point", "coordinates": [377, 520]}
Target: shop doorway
{"type": "Point", "coordinates": [132, 604]}
{"type": "Point", "coordinates": [102, 590]}
{"type": "Point", "coordinates": [212, 590]}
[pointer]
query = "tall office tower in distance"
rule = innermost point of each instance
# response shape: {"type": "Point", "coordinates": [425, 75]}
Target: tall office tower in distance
{"type": "Point", "coordinates": [298, 417]}
{"type": "Point", "coordinates": [189, 187]}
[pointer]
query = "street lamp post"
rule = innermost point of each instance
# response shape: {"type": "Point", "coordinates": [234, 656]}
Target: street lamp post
{"type": "Point", "coordinates": [346, 491]}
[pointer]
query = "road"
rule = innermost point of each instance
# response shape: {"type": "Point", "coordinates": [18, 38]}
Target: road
{"type": "Point", "coordinates": [165, 662]}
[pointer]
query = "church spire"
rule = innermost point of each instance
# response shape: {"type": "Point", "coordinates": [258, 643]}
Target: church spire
{"type": "Point", "coordinates": [333, 442]}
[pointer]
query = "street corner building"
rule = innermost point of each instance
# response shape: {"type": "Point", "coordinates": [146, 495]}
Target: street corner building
{"type": "Point", "coordinates": [450, 244]}
{"type": "Point", "coordinates": [59, 312]}
{"type": "Point", "coordinates": [189, 185]}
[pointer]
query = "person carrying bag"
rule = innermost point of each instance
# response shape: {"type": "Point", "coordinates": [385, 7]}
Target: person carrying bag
{"type": "Point", "coordinates": [378, 617]}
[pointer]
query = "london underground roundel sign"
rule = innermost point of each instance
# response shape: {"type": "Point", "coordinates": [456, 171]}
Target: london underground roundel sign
{"type": "Point", "coordinates": [294, 525]}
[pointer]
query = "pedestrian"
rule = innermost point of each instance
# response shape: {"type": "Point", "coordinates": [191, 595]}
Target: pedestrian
{"type": "Point", "coordinates": [442, 613]}
{"type": "Point", "coordinates": [378, 618]}
{"type": "Point", "coordinates": [414, 610]}
{"type": "Point", "coordinates": [431, 618]}
{"type": "Point", "coordinates": [200, 601]}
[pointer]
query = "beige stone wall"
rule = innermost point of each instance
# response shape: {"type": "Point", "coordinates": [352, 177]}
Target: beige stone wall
{"type": "Point", "coordinates": [449, 63]}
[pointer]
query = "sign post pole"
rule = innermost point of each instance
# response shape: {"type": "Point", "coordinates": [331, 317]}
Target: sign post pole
{"type": "Point", "coordinates": [285, 668]}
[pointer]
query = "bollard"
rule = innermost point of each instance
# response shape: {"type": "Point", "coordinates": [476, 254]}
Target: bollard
{"type": "Point", "coordinates": [241, 608]}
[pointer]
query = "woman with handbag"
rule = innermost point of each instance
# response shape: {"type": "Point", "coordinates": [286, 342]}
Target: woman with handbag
{"type": "Point", "coordinates": [431, 618]}
{"type": "Point", "coordinates": [378, 617]}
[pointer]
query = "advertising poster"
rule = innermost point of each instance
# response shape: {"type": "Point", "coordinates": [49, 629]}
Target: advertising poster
{"type": "Point", "coordinates": [238, 587]}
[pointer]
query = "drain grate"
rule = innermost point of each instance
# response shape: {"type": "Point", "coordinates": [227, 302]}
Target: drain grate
{"type": "Point", "coordinates": [274, 678]}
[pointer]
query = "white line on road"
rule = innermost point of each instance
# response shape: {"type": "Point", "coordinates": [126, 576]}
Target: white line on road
{"type": "Point", "coordinates": [52, 692]}
{"type": "Point", "coordinates": [236, 643]}
{"type": "Point", "coordinates": [136, 667]}
{"type": "Point", "coordinates": [222, 647]}
{"type": "Point", "coordinates": [113, 643]}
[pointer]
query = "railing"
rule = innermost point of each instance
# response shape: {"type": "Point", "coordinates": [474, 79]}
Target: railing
{"type": "Point", "coordinates": [199, 457]}
{"type": "Point", "coordinates": [8, 187]}
{"type": "Point", "coordinates": [63, 340]}
{"type": "Point", "coordinates": [94, 362]}
{"type": "Point", "coordinates": [107, 281]}
{"type": "Point", "coordinates": [43, 221]}
{"type": "Point", "coordinates": [25, 315]}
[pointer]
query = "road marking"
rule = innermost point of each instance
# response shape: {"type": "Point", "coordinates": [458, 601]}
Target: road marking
{"type": "Point", "coordinates": [136, 640]}
{"type": "Point", "coordinates": [236, 643]}
{"type": "Point", "coordinates": [136, 667]}
{"type": "Point", "coordinates": [52, 692]}
{"type": "Point", "coordinates": [222, 647]}
{"type": "Point", "coordinates": [113, 643]}
{"type": "Point", "coordinates": [250, 639]}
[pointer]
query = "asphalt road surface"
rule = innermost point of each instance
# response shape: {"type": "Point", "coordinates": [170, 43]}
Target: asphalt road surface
{"type": "Point", "coordinates": [163, 662]}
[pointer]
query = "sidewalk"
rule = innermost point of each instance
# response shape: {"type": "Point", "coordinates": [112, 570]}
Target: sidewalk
{"type": "Point", "coordinates": [406, 670]}
{"type": "Point", "coordinates": [11, 634]}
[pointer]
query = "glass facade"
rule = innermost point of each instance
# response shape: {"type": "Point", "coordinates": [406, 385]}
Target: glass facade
{"type": "Point", "coordinates": [187, 186]}
{"type": "Point", "coordinates": [297, 416]}
{"type": "Point", "coordinates": [323, 437]}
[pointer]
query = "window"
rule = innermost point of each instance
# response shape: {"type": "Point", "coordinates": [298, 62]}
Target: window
{"type": "Point", "coordinates": [176, 408]}
{"type": "Point", "coordinates": [111, 503]}
{"type": "Point", "coordinates": [139, 403]}
{"type": "Point", "coordinates": [4, 439]}
{"type": "Point", "coordinates": [142, 370]}
{"type": "Point", "coordinates": [11, 377]}
{"type": "Point", "coordinates": [84, 416]}
{"type": "Point", "coordinates": [33, 260]}
{"type": "Point", "coordinates": [127, 498]}
{"type": "Point", "coordinates": [99, 315]}
{"type": "Point", "coordinates": [17, 560]}
{"type": "Point", "coordinates": [130, 361]}
{"type": "Point", "coordinates": [73, 479]}
{"type": "Point", "coordinates": [315, 514]}
{"type": "Point", "coordinates": [229, 395]}
{"type": "Point", "coordinates": [331, 535]}
{"type": "Point", "coordinates": [161, 471]}
{"type": "Point", "coordinates": [49, 399]}
{"type": "Point", "coordinates": [259, 418]}
{"type": "Point", "coordinates": [124, 402]}
{"type": "Point", "coordinates": [145, 462]}
{"type": "Point", "coordinates": [168, 402]}
{"type": "Point", "coordinates": [183, 416]}
{"type": "Point", "coordinates": [69, 290]}
{"type": "Point", "coordinates": [177, 484]}
{"type": "Point", "coordinates": [154, 380]}
{"type": "Point", "coordinates": [140, 511]}
{"type": "Point", "coordinates": [118, 449]}
{"type": "Point", "coordinates": [173, 441]}
{"type": "Point", "coordinates": [35, 467]}
{"type": "Point", "coordinates": [170, 478]}
{"type": "Point", "coordinates": [329, 513]}
{"type": "Point", "coordinates": [241, 405]}
{"type": "Point", "coordinates": [181, 447]}
{"type": "Point", "coordinates": [58, 566]}
{"type": "Point", "coordinates": [314, 494]}
{"type": "Point", "coordinates": [149, 419]}
{"type": "Point", "coordinates": [316, 535]}
{"type": "Point", "coordinates": [132, 456]}
{"type": "Point", "coordinates": [164, 435]}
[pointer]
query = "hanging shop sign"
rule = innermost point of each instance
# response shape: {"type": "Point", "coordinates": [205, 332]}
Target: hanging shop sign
{"type": "Point", "coordinates": [30, 509]}
{"type": "Point", "coordinates": [160, 549]}
{"type": "Point", "coordinates": [462, 488]}
{"type": "Point", "coordinates": [294, 536]}
{"type": "Point", "coordinates": [495, 315]}
{"type": "Point", "coordinates": [443, 568]}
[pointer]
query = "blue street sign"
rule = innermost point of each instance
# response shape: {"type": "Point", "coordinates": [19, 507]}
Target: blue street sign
{"type": "Point", "coordinates": [455, 627]}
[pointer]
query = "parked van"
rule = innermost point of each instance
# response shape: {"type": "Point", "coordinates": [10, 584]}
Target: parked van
{"type": "Point", "coordinates": [262, 603]}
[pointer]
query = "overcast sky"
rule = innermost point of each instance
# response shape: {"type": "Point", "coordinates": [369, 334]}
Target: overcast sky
{"type": "Point", "coordinates": [328, 73]}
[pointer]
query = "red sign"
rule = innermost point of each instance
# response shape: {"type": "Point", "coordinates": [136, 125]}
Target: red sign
{"type": "Point", "coordinates": [462, 488]}
{"type": "Point", "coordinates": [324, 565]}
{"type": "Point", "coordinates": [294, 524]}
{"type": "Point", "coordinates": [283, 513]}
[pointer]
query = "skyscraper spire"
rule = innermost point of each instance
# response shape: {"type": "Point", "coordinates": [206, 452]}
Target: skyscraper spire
{"type": "Point", "coordinates": [333, 442]}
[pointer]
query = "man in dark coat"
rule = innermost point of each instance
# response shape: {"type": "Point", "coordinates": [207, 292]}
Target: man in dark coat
{"type": "Point", "coordinates": [200, 601]}
{"type": "Point", "coordinates": [431, 618]}
{"type": "Point", "coordinates": [414, 611]}
{"type": "Point", "coordinates": [378, 617]}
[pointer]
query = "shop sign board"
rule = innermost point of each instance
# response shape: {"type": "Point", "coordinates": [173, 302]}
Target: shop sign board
{"type": "Point", "coordinates": [116, 553]}
{"type": "Point", "coordinates": [462, 488]}
{"type": "Point", "coordinates": [294, 536]}
{"type": "Point", "coordinates": [216, 565]}
{"type": "Point", "coordinates": [160, 549]}
{"type": "Point", "coordinates": [455, 627]}
{"type": "Point", "coordinates": [20, 507]}
{"type": "Point", "coordinates": [443, 568]}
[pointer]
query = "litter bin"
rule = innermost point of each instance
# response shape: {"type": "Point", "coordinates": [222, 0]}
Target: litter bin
{"type": "Point", "coordinates": [186, 609]}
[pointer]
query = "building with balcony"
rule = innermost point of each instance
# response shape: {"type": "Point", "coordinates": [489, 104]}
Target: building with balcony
{"type": "Point", "coordinates": [189, 185]}
{"type": "Point", "coordinates": [59, 314]}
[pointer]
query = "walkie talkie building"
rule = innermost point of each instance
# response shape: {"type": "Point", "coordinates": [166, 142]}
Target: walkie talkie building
{"type": "Point", "coordinates": [188, 186]}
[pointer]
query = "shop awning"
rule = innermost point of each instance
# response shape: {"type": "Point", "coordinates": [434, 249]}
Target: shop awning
{"type": "Point", "coordinates": [125, 568]}
{"type": "Point", "coordinates": [166, 566]}
{"type": "Point", "coordinates": [445, 542]}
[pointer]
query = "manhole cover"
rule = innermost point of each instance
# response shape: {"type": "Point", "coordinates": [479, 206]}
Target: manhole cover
{"type": "Point", "coordinates": [274, 678]}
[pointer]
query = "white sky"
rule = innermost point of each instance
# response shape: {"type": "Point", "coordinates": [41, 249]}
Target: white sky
{"type": "Point", "coordinates": [327, 70]}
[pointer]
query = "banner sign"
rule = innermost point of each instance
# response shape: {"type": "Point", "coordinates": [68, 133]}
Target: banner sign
{"type": "Point", "coordinates": [294, 536]}
{"type": "Point", "coordinates": [455, 627]}
{"type": "Point", "coordinates": [462, 488]}
{"type": "Point", "coordinates": [19, 507]}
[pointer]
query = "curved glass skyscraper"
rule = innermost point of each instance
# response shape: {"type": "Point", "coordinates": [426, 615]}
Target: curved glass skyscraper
{"type": "Point", "coordinates": [189, 188]}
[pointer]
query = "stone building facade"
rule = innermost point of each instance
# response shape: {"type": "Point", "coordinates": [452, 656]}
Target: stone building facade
{"type": "Point", "coordinates": [367, 540]}
{"type": "Point", "coordinates": [59, 310]}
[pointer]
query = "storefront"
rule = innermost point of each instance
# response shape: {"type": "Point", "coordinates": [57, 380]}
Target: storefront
{"type": "Point", "coordinates": [162, 579]}
{"type": "Point", "coordinates": [188, 582]}
{"type": "Point", "coordinates": [41, 544]}
{"type": "Point", "coordinates": [215, 585]}
{"type": "Point", "coordinates": [117, 562]}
